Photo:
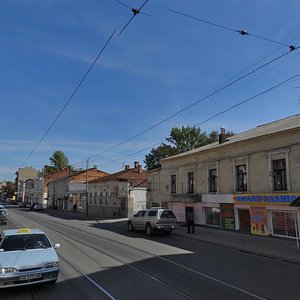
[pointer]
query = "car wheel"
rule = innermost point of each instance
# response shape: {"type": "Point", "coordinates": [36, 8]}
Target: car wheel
{"type": "Point", "coordinates": [130, 226]}
{"type": "Point", "coordinates": [148, 229]}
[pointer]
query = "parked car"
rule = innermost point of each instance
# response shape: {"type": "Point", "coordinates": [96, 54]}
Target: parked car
{"type": "Point", "coordinates": [38, 206]}
{"type": "Point", "coordinates": [155, 219]}
{"type": "Point", "coordinates": [3, 215]}
{"type": "Point", "coordinates": [27, 257]}
{"type": "Point", "coordinates": [33, 205]}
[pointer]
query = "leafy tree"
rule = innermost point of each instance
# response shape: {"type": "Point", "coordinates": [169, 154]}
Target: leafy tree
{"type": "Point", "coordinates": [9, 189]}
{"type": "Point", "coordinates": [58, 161]}
{"type": "Point", "coordinates": [181, 139]}
{"type": "Point", "coordinates": [187, 138]}
{"type": "Point", "coordinates": [156, 154]}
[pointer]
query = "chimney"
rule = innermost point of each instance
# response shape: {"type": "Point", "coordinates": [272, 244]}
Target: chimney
{"type": "Point", "coordinates": [127, 167]}
{"type": "Point", "coordinates": [222, 136]}
{"type": "Point", "coordinates": [139, 168]}
{"type": "Point", "coordinates": [136, 163]}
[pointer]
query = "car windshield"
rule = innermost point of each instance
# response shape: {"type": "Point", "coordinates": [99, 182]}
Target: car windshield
{"type": "Point", "coordinates": [167, 214]}
{"type": "Point", "coordinates": [25, 242]}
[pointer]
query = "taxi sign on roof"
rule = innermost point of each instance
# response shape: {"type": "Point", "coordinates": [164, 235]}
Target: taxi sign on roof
{"type": "Point", "coordinates": [24, 230]}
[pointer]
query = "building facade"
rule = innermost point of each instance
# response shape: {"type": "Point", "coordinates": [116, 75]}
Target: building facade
{"type": "Point", "coordinates": [24, 174]}
{"type": "Point", "coordinates": [120, 194]}
{"type": "Point", "coordinates": [65, 191]}
{"type": "Point", "coordinates": [245, 182]}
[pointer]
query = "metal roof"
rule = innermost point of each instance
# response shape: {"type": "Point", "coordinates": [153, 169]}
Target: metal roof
{"type": "Point", "coordinates": [275, 127]}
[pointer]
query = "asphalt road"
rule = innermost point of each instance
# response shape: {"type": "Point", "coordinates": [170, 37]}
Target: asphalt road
{"type": "Point", "coordinates": [101, 260]}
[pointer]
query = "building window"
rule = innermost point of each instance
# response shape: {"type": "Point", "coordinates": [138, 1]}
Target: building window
{"type": "Point", "coordinates": [191, 182]}
{"type": "Point", "coordinates": [279, 169]}
{"type": "Point", "coordinates": [212, 216]}
{"type": "Point", "coordinates": [173, 184]}
{"type": "Point", "coordinates": [283, 223]}
{"type": "Point", "coordinates": [212, 180]}
{"type": "Point", "coordinates": [241, 178]}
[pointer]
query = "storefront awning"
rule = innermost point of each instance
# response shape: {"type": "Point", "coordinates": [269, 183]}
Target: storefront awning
{"type": "Point", "coordinates": [296, 202]}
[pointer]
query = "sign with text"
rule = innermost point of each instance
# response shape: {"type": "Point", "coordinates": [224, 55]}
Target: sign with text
{"type": "Point", "coordinates": [227, 216]}
{"type": "Point", "coordinates": [264, 199]}
{"type": "Point", "coordinates": [258, 219]}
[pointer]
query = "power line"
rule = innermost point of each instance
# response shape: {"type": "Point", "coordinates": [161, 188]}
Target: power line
{"type": "Point", "coordinates": [241, 32]}
{"type": "Point", "coordinates": [193, 104]}
{"type": "Point", "coordinates": [135, 11]}
{"type": "Point", "coordinates": [213, 116]}
{"type": "Point", "coordinates": [70, 98]}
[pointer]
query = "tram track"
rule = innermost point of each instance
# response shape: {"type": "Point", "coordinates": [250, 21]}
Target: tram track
{"type": "Point", "coordinates": [122, 261]}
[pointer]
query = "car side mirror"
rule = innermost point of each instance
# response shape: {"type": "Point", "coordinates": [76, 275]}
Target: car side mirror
{"type": "Point", "coordinates": [56, 246]}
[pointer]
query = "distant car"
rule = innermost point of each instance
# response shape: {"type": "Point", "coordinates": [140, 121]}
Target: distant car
{"type": "Point", "coordinates": [155, 219]}
{"type": "Point", "coordinates": [33, 205]}
{"type": "Point", "coordinates": [3, 215]}
{"type": "Point", "coordinates": [27, 257]}
{"type": "Point", "coordinates": [38, 206]}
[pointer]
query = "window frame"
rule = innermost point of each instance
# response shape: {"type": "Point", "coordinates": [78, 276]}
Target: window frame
{"type": "Point", "coordinates": [212, 180]}
{"type": "Point", "coordinates": [173, 183]}
{"type": "Point", "coordinates": [241, 178]}
{"type": "Point", "coordinates": [191, 182]}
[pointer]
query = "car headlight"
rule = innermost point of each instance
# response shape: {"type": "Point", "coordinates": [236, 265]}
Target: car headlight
{"type": "Point", "coordinates": [51, 265]}
{"type": "Point", "coordinates": [8, 270]}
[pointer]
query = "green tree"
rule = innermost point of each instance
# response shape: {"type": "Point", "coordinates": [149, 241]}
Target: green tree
{"type": "Point", "coordinates": [58, 161]}
{"type": "Point", "coordinates": [156, 154]}
{"type": "Point", "coordinates": [187, 138]}
{"type": "Point", "coordinates": [181, 140]}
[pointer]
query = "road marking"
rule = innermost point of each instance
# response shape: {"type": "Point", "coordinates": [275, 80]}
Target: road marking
{"type": "Point", "coordinates": [214, 279]}
{"type": "Point", "coordinates": [89, 279]}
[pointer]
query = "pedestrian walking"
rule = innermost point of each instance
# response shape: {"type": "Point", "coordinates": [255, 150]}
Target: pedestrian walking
{"type": "Point", "coordinates": [191, 222]}
{"type": "Point", "coordinates": [74, 207]}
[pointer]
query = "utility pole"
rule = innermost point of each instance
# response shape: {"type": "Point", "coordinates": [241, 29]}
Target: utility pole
{"type": "Point", "coordinates": [87, 188]}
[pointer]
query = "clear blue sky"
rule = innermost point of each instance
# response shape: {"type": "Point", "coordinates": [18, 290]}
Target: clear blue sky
{"type": "Point", "coordinates": [159, 65]}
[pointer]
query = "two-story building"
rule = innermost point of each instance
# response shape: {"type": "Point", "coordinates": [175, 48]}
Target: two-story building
{"type": "Point", "coordinates": [245, 182]}
{"type": "Point", "coordinates": [65, 191]}
{"type": "Point", "coordinates": [120, 194]}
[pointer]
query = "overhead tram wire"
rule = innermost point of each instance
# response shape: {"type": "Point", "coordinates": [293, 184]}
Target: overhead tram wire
{"type": "Point", "coordinates": [72, 95]}
{"type": "Point", "coordinates": [193, 104]}
{"type": "Point", "coordinates": [135, 11]}
{"type": "Point", "coordinates": [241, 32]}
{"type": "Point", "coordinates": [213, 116]}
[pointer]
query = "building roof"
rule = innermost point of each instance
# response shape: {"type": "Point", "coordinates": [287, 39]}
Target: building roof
{"type": "Point", "coordinates": [92, 173]}
{"type": "Point", "coordinates": [136, 176]}
{"type": "Point", "coordinates": [268, 129]}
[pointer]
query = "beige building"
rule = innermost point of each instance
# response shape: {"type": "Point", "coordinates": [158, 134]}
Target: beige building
{"type": "Point", "coordinates": [245, 182]}
{"type": "Point", "coordinates": [120, 194]}
{"type": "Point", "coordinates": [24, 174]}
{"type": "Point", "coordinates": [65, 191]}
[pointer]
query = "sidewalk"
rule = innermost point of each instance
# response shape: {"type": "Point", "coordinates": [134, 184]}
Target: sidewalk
{"type": "Point", "coordinates": [276, 248]}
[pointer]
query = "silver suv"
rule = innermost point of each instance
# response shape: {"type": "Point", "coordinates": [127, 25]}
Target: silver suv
{"type": "Point", "coordinates": [154, 219]}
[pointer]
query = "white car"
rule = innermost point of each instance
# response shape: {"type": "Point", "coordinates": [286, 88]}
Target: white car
{"type": "Point", "coordinates": [27, 257]}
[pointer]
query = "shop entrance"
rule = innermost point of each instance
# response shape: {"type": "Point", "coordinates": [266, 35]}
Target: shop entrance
{"type": "Point", "coordinates": [244, 220]}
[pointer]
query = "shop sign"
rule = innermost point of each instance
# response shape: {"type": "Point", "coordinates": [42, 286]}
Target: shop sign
{"type": "Point", "coordinates": [258, 219]}
{"type": "Point", "coordinates": [227, 216]}
{"type": "Point", "coordinates": [265, 199]}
